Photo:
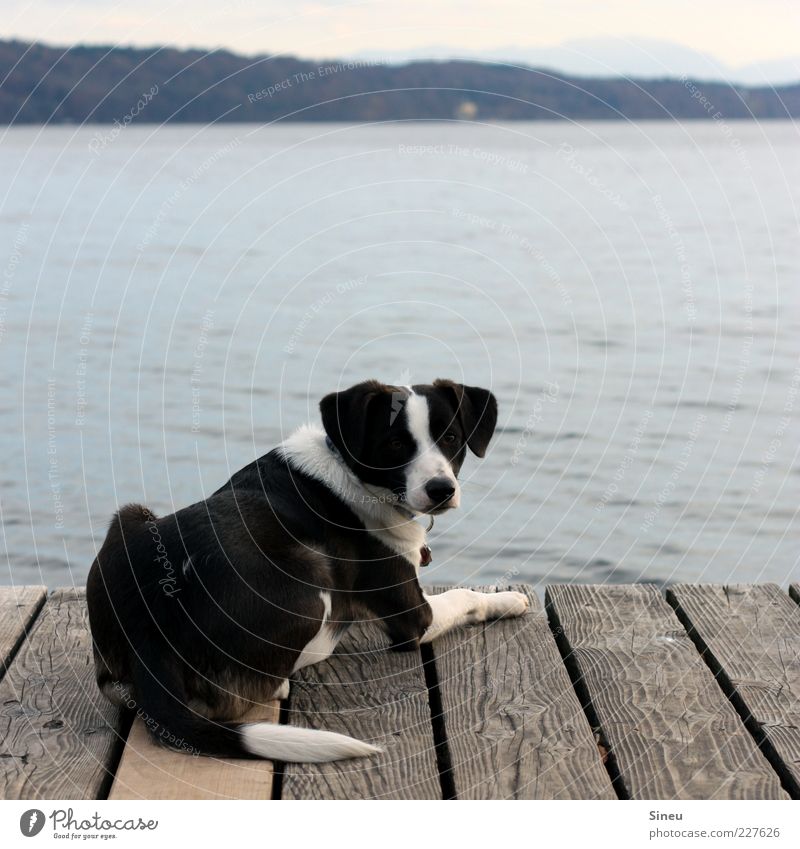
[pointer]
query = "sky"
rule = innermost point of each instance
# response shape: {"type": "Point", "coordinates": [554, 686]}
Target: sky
{"type": "Point", "coordinates": [735, 33]}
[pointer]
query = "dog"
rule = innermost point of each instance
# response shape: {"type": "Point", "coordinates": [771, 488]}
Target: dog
{"type": "Point", "coordinates": [200, 615]}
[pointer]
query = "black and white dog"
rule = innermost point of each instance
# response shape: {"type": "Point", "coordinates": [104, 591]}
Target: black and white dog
{"type": "Point", "coordinates": [199, 615]}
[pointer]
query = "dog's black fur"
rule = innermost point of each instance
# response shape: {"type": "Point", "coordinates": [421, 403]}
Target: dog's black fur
{"type": "Point", "coordinates": [198, 615]}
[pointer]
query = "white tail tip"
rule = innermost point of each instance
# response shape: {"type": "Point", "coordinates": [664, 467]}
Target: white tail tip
{"type": "Point", "coordinates": [301, 745]}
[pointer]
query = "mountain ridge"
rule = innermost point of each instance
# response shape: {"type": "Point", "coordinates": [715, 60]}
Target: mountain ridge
{"type": "Point", "coordinates": [107, 85]}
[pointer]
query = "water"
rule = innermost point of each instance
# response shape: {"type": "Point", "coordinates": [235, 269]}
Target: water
{"type": "Point", "coordinates": [175, 300]}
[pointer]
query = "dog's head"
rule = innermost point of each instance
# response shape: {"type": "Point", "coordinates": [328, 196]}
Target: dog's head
{"type": "Point", "coordinates": [410, 441]}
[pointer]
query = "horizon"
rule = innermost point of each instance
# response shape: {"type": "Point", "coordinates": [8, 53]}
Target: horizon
{"type": "Point", "coordinates": [753, 45]}
{"type": "Point", "coordinates": [715, 73]}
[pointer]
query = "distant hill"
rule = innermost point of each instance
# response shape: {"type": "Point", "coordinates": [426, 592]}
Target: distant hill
{"type": "Point", "coordinates": [614, 56]}
{"type": "Point", "coordinates": [43, 84]}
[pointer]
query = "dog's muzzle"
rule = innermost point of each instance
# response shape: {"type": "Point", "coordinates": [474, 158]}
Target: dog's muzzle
{"type": "Point", "coordinates": [440, 491]}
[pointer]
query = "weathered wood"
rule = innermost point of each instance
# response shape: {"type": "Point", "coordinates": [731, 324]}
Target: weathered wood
{"type": "Point", "coordinates": [376, 695]}
{"type": "Point", "coordinates": [150, 771]}
{"type": "Point", "coordinates": [750, 638]}
{"type": "Point", "coordinates": [514, 726]}
{"type": "Point", "coordinates": [671, 732]}
{"type": "Point", "coordinates": [18, 608]}
{"type": "Point", "coordinates": [510, 720]}
{"type": "Point", "coordinates": [60, 737]}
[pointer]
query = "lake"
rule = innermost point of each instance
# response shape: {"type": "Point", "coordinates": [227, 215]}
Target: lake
{"type": "Point", "coordinates": [175, 300]}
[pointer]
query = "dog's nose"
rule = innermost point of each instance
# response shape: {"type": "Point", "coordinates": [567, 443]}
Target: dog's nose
{"type": "Point", "coordinates": [440, 490]}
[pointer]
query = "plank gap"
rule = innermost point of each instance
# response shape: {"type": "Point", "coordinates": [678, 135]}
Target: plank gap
{"type": "Point", "coordinates": [585, 700]}
{"type": "Point", "coordinates": [54, 716]}
{"type": "Point", "coordinates": [14, 597]}
{"type": "Point", "coordinates": [115, 757]}
{"type": "Point", "coordinates": [444, 760]}
{"type": "Point", "coordinates": [725, 684]}
{"type": "Point", "coordinates": [279, 767]}
{"type": "Point", "coordinates": [368, 692]}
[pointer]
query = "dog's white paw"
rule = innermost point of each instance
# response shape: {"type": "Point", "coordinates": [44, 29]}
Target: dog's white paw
{"type": "Point", "coordinates": [507, 605]}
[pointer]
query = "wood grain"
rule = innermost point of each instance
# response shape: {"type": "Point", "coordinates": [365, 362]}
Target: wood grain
{"type": "Point", "coordinates": [671, 732]}
{"type": "Point", "coordinates": [514, 726]}
{"type": "Point", "coordinates": [60, 737]}
{"type": "Point", "coordinates": [750, 638]}
{"type": "Point", "coordinates": [150, 771]}
{"type": "Point", "coordinates": [18, 608]}
{"type": "Point", "coordinates": [376, 695]}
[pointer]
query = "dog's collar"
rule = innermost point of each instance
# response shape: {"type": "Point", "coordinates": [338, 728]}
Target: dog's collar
{"type": "Point", "coordinates": [404, 511]}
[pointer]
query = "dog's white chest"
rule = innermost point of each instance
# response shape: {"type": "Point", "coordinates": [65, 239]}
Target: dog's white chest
{"type": "Point", "coordinates": [324, 641]}
{"type": "Point", "coordinates": [307, 451]}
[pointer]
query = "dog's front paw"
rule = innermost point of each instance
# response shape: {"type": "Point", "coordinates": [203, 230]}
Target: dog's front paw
{"type": "Point", "coordinates": [507, 605]}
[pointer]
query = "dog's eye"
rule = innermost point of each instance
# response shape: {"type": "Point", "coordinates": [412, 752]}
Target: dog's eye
{"type": "Point", "coordinates": [396, 445]}
{"type": "Point", "coordinates": [449, 438]}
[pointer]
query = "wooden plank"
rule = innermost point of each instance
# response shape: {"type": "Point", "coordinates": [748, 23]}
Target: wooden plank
{"type": "Point", "coordinates": [670, 731]}
{"type": "Point", "coordinates": [376, 695]}
{"type": "Point", "coordinates": [59, 736]}
{"type": "Point", "coordinates": [150, 771]}
{"type": "Point", "coordinates": [750, 638]}
{"type": "Point", "coordinates": [794, 592]}
{"type": "Point", "coordinates": [514, 726]}
{"type": "Point", "coordinates": [19, 606]}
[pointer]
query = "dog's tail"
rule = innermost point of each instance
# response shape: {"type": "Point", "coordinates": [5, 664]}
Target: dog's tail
{"type": "Point", "coordinates": [301, 745]}
{"type": "Point", "coordinates": [173, 723]}
{"type": "Point", "coordinates": [157, 694]}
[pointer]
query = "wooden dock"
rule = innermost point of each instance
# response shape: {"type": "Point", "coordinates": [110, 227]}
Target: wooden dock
{"type": "Point", "coordinates": [603, 692]}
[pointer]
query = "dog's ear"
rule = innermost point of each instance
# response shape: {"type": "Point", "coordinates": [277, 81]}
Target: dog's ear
{"type": "Point", "coordinates": [476, 410]}
{"type": "Point", "coordinates": [344, 417]}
